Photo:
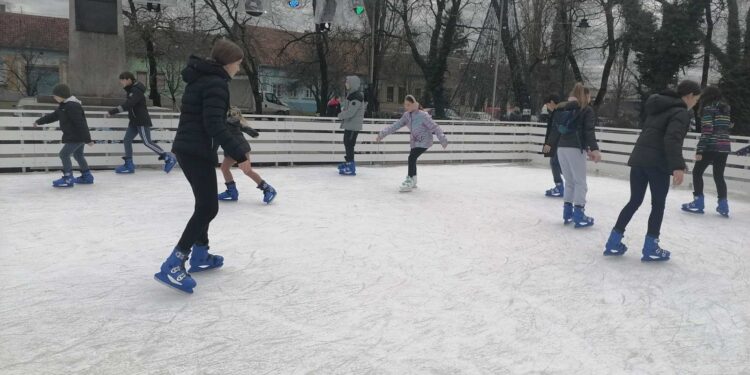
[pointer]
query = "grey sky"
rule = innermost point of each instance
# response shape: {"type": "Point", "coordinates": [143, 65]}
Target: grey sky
{"type": "Point", "coordinates": [55, 8]}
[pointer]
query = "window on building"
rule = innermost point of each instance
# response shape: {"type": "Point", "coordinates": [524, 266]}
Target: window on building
{"type": "Point", "coordinates": [418, 93]}
{"type": "Point", "coordinates": [45, 78]}
{"type": "Point", "coordinates": [401, 93]}
{"type": "Point", "coordinates": [389, 94]}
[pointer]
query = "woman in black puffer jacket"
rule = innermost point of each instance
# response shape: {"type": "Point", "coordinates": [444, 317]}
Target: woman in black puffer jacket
{"type": "Point", "coordinates": [202, 129]}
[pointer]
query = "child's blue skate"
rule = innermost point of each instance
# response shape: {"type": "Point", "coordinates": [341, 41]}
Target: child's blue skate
{"type": "Point", "coordinates": [269, 193]}
{"type": "Point", "coordinates": [614, 246]}
{"type": "Point", "coordinates": [723, 208]}
{"type": "Point", "coordinates": [231, 194]}
{"type": "Point", "coordinates": [169, 161]}
{"type": "Point", "coordinates": [567, 213]}
{"type": "Point", "coordinates": [652, 252]}
{"type": "Point", "coordinates": [126, 168]}
{"type": "Point", "coordinates": [580, 219]}
{"type": "Point", "coordinates": [350, 169]}
{"type": "Point", "coordinates": [341, 167]}
{"type": "Point", "coordinates": [67, 180]}
{"type": "Point", "coordinates": [556, 192]}
{"type": "Point", "coordinates": [696, 206]}
{"type": "Point", "coordinates": [173, 272]}
{"type": "Point", "coordinates": [86, 178]}
{"type": "Point", "coordinates": [201, 260]}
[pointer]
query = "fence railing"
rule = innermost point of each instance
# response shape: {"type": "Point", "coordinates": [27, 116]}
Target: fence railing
{"type": "Point", "coordinates": [294, 140]}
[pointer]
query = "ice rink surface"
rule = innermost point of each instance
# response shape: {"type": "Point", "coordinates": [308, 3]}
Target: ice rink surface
{"type": "Point", "coordinates": [473, 273]}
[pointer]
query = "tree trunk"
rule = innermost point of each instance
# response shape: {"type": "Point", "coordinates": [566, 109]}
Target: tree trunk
{"type": "Point", "coordinates": [707, 44]}
{"type": "Point", "coordinates": [153, 81]}
{"type": "Point", "coordinates": [611, 53]}
{"type": "Point", "coordinates": [320, 47]}
{"type": "Point", "coordinates": [516, 70]}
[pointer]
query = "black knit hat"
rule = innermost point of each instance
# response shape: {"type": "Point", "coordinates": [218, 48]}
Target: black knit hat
{"type": "Point", "coordinates": [62, 90]}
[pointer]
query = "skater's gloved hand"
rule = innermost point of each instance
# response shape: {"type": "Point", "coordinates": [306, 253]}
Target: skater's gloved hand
{"type": "Point", "coordinates": [107, 115]}
{"type": "Point", "coordinates": [245, 166]}
{"type": "Point", "coordinates": [677, 177]}
{"type": "Point", "coordinates": [445, 145]}
{"type": "Point", "coordinates": [378, 139]}
{"type": "Point", "coordinates": [91, 143]}
{"type": "Point", "coordinates": [698, 157]}
{"type": "Point", "coordinates": [547, 149]}
{"type": "Point", "coordinates": [35, 124]}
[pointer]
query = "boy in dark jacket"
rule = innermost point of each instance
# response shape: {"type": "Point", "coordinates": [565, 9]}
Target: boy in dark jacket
{"type": "Point", "coordinates": [559, 190]}
{"type": "Point", "coordinates": [140, 124]}
{"type": "Point", "coordinates": [657, 155]}
{"type": "Point", "coordinates": [75, 136]}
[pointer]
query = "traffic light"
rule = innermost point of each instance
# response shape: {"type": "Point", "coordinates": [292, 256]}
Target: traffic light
{"type": "Point", "coordinates": [325, 14]}
{"type": "Point", "coordinates": [358, 6]}
{"type": "Point", "coordinates": [323, 27]}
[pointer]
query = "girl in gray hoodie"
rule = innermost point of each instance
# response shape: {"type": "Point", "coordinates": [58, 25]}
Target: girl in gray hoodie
{"type": "Point", "coordinates": [422, 127]}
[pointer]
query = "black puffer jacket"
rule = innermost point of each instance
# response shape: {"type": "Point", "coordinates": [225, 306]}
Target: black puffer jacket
{"type": "Point", "coordinates": [585, 124]}
{"type": "Point", "coordinates": [664, 130]}
{"type": "Point", "coordinates": [203, 119]}
{"type": "Point", "coordinates": [72, 119]}
{"type": "Point", "coordinates": [135, 105]}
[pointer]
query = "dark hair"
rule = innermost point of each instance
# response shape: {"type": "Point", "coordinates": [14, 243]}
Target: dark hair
{"type": "Point", "coordinates": [552, 98]}
{"type": "Point", "coordinates": [127, 75]}
{"type": "Point", "coordinates": [225, 52]}
{"type": "Point", "coordinates": [688, 87]}
{"type": "Point", "coordinates": [710, 95]}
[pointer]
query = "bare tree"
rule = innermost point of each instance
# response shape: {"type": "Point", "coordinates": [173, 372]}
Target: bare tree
{"type": "Point", "coordinates": [234, 23]}
{"type": "Point", "coordinates": [446, 33]}
{"type": "Point", "coordinates": [19, 69]}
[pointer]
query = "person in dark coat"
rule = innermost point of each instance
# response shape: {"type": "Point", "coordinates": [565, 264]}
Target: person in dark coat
{"type": "Point", "coordinates": [333, 108]}
{"type": "Point", "coordinates": [575, 142]}
{"type": "Point", "coordinates": [559, 190]}
{"type": "Point", "coordinates": [201, 130]}
{"type": "Point", "coordinates": [140, 124]}
{"type": "Point", "coordinates": [75, 136]}
{"type": "Point", "coordinates": [657, 155]}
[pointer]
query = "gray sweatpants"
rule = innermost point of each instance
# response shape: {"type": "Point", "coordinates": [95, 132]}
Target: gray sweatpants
{"type": "Point", "coordinates": [573, 165]}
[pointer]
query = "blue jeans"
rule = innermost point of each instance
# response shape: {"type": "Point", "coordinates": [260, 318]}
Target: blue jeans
{"type": "Point", "coordinates": [145, 134]}
{"type": "Point", "coordinates": [75, 149]}
{"type": "Point", "coordinates": [640, 179]}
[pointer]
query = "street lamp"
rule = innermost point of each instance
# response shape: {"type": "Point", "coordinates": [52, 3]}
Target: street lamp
{"type": "Point", "coordinates": [583, 24]}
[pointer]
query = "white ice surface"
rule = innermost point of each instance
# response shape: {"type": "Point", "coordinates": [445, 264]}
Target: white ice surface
{"type": "Point", "coordinates": [472, 273]}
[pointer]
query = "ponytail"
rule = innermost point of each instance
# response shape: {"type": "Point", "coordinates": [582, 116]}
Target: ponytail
{"type": "Point", "coordinates": [581, 93]}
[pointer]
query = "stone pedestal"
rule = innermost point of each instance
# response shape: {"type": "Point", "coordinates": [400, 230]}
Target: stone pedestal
{"type": "Point", "coordinates": [96, 59]}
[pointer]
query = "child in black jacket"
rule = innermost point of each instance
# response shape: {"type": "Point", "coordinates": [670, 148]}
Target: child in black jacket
{"type": "Point", "coordinates": [75, 136]}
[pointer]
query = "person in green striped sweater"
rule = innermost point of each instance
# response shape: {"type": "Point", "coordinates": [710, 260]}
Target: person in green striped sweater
{"type": "Point", "coordinates": [713, 148]}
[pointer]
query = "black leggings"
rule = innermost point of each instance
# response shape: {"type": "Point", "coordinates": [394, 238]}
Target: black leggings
{"type": "Point", "coordinates": [201, 174]}
{"type": "Point", "coordinates": [350, 140]}
{"type": "Point", "coordinates": [719, 160]}
{"type": "Point", "coordinates": [640, 179]}
{"type": "Point", "coordinates": [415, 153]}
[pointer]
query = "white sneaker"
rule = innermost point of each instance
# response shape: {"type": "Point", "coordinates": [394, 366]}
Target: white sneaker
{"type": "Point", "coordinates": [407, 185]}
{"type": "Point", "coordinates": [414, 182]}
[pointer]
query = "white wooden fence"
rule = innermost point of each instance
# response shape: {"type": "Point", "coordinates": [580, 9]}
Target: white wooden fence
{"type": "Point", "coordinates": [293, 140]}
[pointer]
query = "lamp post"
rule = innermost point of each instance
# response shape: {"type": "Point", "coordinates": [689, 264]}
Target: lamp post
{"type": "Point", "coordinates": [583, 24]}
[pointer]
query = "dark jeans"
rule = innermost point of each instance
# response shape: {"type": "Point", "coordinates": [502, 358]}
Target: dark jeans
{"type": "Point", "coordinates": [640, 179]}
{"type": "Point", "coordinates": [145, 134]}
{"type": "Point", "coordinates": [415, 153]}
{"type": "Point", "coordinates": [554, 162]}
{"type": "Point", "coordinates": [719, 161]}
{"type": "Point", "coordinates": [201, 174]}
{"type": "Point", "coordinates": [75, 149]}
{"type": "Point", "coordinates": [350, 140]}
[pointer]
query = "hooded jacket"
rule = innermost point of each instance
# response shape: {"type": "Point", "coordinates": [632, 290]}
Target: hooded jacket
{"type": "Point", "coordinates": [72, 119]}
{"type": "Point", "coordinates": [353, 110]}
{"type": "Point", "coordinates": [203, 118]}
{"type": "Point", "coordinates": [664, 129]}
{"type": "Point", "coordinates": [135, 105]}
{"type": "Point", "coordinates": [421, 126]}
